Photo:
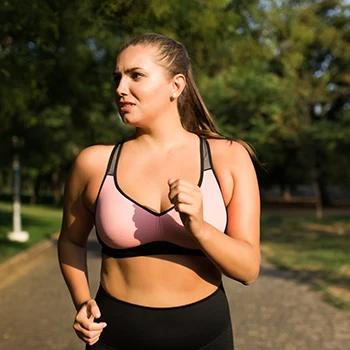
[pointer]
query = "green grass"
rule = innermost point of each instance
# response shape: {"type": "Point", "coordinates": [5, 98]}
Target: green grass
{"type": "Point", "coordinates": [39, 221]}
{"type": "Point", "coordinates": [317, 250]}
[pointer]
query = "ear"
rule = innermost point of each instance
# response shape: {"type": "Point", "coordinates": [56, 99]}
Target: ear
{"type": "Point", "coordinates": [177, 85]}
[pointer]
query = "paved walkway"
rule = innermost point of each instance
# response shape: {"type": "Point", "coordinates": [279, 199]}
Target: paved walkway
{"type": "Point", "coordinates": [276, 312]}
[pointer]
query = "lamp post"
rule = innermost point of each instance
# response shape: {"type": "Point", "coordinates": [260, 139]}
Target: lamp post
{"type": "Point", "coordinates": [17, 234]}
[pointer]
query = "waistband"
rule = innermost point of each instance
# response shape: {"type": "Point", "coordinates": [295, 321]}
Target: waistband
{"type": "Point", "coordinates": [102, 291]}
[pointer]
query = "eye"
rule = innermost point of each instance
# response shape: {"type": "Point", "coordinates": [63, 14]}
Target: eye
{"type": "Point", "coordinates": [136, 75]}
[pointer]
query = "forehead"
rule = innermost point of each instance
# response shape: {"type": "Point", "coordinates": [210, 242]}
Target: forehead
{"type": "Point", "coordinates": [137, 56]}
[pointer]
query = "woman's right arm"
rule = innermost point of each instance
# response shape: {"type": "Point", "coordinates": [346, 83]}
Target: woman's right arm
{"type": "Point", "coordinates": [77, 223]}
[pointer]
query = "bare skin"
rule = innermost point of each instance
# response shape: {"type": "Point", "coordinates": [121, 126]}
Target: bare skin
{"type": "Point", "coordinates": [154, 169]}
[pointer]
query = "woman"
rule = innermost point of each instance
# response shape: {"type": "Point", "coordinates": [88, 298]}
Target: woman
{"type": "Point", "coordinates": [175, 207]}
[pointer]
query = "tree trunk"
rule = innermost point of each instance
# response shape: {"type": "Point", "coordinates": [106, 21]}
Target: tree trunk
{"type": "Point", "coordinates": [35, 190]}
{"type": "Point", "coordinates": [326, 201]}
{"type": "Point", "coordinates": [316, 184]}
{"type": "Point", "coordinates": [284, 186]}
{"type": "Point", "coordinates": [6, 186]}
{"type": "Point", "coordinates": [286, 193]}
{"type": "Point", "coordinates": [319, 205]}
{"type": "Point", "coordinates": [57, 187]}
{"type": "Point", "coordinates": [32, 199]}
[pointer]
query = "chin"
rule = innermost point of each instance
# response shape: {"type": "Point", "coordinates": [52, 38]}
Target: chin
{"type": "Point", "coordinates": [126, 120]}
{"type": "Point", "coordinates": [130, 122]}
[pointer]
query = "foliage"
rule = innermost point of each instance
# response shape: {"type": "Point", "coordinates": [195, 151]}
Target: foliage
{"type": "Point", "coordinates": [288, 90]}
{"type": "Point", "coordinates": [274, 73]}
{"type": "Point", "coordinates": [55, 85]}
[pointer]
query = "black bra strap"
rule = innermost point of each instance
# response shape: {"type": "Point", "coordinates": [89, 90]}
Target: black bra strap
{"type": "Point", "coordinates": [113, 159]}
{"type": "Point", "coordinates": [207, 163]}
{"type": "Point", "coordinates": [152, 248]}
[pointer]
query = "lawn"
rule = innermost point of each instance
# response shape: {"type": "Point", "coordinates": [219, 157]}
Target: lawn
{"type": "Point", "coordinates": [317, 250]}
{"type": "Point", "coordinates": [39, 221]}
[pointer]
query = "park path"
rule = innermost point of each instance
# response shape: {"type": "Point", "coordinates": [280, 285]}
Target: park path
{"type": "Point", "coordinates": [277, 312]}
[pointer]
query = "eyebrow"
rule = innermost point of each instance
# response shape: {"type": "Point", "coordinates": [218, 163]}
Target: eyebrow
{"type": "Point", "coordinates": [127, 71]}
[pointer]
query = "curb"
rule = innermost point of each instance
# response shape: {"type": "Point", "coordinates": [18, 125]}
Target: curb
{"type": "Point", "coordinates": [29, 253]}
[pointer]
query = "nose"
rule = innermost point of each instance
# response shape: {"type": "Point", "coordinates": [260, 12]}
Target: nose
{"type": "Point", "coordinates": [122, 88]}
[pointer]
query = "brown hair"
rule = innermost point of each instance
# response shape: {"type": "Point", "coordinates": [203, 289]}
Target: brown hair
{"type": "Point", "coordinates": [194, 115]}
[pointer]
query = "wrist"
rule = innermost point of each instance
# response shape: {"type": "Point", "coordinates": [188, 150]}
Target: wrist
{"type": "Point", "coordinates": [203, 233]}
{"type": "Point", "coordinates": [81, 304]}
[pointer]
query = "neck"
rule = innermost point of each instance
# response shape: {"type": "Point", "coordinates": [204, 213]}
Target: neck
{"type": "Point", "coordinates": [165, 133]}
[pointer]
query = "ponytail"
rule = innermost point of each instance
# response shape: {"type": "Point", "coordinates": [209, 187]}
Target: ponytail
{"type": "Point", "coordinates": [196, 118]}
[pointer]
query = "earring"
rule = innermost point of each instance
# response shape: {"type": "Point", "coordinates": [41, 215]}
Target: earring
{"type": "Point", "coordinates": [173, 96]}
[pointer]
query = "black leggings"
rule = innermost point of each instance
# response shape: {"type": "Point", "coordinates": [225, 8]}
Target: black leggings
{"type": "Point", "coordinates": [204, 325]}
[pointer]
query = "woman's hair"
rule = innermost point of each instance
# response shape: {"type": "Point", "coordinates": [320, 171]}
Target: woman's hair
{"type": "Point", "coordinates": [173, 56]}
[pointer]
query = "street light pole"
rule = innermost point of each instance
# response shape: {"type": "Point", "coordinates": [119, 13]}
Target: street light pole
{"type": "Point", "coordinates": [17, 234]}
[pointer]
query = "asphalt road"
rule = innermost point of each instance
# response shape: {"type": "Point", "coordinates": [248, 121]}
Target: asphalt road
{"type": "Point", "coordinates": [277, 312]}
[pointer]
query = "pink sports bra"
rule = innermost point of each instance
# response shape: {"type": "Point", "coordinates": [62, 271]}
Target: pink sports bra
{"type": "Point", "coordinates": [126, 228]}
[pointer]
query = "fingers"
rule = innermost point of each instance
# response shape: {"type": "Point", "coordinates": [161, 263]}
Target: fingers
{"type": "Point", "coordinates": [92, 309]}
{"type": "Point", "coordinates": [180, 186]}
{"type": "Point", "coordinates": [183, 192]}
{"type": "Point", "coordinates": [88, 336]}
{"type": "Point", "coordinates": [180, 198]}
{"type": "Point", "coordinates": [186, 198]}
{"type": "Point", "coordinates": [170, 181]}
{"type": "Point", "coordinates": [84, 325]}
{"type": "Point", "coordinates": [179, 182]}
{"type": "Point", "coordinates": [188, 201]}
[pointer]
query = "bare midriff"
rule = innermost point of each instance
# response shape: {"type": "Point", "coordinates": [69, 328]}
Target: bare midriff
{"type": "Point", "coordinates": [161, 280]}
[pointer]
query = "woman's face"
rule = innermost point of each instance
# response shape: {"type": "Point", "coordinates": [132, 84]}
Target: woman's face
{"type": "Point", "coordinates": [143, 88]}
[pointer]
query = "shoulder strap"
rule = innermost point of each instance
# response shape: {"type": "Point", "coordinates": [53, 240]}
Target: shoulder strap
{"type": "Point", "coordinates": [206, 155]}
{"type": "Point", "coordinates": [113, 159]}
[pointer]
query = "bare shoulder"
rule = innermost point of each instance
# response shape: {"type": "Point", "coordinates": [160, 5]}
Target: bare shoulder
{"type": "Point", "coordinates": [86, 175]}
{"type": "Point", "coordinates": [230, 152]}
{"type": "Point", "coordinates": [92, 160]}
{"type": "Point", "coordinates": [233, 166]}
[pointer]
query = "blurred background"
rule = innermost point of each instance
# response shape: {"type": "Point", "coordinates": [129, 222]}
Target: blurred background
{"type": "Point", "coordinates": [273, 73]}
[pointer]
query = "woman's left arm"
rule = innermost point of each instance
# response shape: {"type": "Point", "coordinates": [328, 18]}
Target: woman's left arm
{"type": "Point", "coordinates": [236, 253]}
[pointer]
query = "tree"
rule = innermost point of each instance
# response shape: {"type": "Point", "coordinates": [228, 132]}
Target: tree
{"type": "Point", "coordinates": [56, 88]}
{"type": "Point", "coordinates": [288, 91]}
{"type": "Point", "coordinates": [273, 73]}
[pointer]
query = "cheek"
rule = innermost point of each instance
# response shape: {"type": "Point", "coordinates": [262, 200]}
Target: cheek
{"type": "Point", "coordinates": [150, 88]}
{"type": "Point", "coordinates": [155, 86]}
{"type": "Point", "coordinates": [152, 97]}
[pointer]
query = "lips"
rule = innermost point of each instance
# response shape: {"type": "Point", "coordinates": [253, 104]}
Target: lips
{"type": "Point", "coordinates": [126, 106]}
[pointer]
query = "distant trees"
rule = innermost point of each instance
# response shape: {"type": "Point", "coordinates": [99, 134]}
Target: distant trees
{"type": "Point", "coordinates": [288, 91]}
{"type": "Point", "coordinates": [274, 73]}
{"type": "Point", "coordinates": [56, 91]}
